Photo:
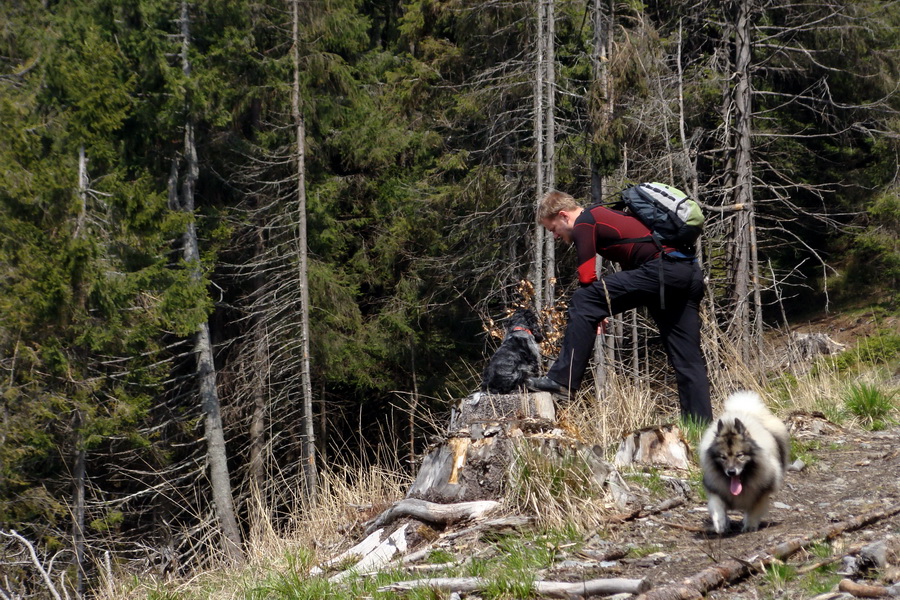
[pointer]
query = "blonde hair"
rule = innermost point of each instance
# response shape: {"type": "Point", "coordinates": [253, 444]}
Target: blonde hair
{"type": "Point", "coordinates": [553, 202]}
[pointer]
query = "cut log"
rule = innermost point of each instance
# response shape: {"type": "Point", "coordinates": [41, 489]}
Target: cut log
{"type": "Point", "coordinates": [659, 446]}
{"type": "Point", "coordinates": [431, 512]}
{"type": "Point", "coordinates": [555, 589]}
{"type": "Point", "coordinates": [802, 424]}
{"type": "Point", "coordinates": [463, 477]}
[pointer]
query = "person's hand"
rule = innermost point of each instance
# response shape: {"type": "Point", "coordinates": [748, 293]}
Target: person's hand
{"type": "Point", "coordinates": [601, 328]}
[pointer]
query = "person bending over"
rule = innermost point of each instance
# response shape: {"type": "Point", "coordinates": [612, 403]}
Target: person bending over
{"type": "Point", "coordinates": [650, 277]}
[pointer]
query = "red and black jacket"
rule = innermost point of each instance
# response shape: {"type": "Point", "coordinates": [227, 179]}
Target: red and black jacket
{"type": "Point", "coordinates": [601, 230]}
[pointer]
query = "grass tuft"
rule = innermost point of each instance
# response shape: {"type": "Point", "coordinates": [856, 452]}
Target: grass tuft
{"type": "Point", "coordinates": [558, 488]}
{"type": "Point", "coordinates": [871, 406]}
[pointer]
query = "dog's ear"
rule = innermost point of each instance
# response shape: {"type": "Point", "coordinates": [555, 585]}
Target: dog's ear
{"type": "Point", "coordinates": [739, 427]}
{"type": "Point", "coordinates": [719, 428]}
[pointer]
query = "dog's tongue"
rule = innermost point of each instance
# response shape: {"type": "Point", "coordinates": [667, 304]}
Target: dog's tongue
{"type": "Point", "coordinates": [736, 487]}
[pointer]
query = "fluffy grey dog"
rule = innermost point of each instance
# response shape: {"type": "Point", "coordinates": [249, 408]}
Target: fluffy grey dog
{"type": "Point", "coordinates": [518, 356]}
{"type": "Point", "coordinates": [744, 454]}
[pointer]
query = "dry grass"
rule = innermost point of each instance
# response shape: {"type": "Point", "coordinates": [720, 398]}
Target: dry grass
{"type": "Point", "coordinates": [346, 496]}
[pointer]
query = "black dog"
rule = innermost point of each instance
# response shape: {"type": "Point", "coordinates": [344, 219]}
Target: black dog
{"type": "Point", "coordinates": [517, 358]}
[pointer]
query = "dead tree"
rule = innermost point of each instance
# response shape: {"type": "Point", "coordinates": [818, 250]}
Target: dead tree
{"type": "Point", "coordinates": [206, 370]}
{"type": "Point", "coordinates": [544, 133]}
{"type": "Point", "coordinates": [307, 446]}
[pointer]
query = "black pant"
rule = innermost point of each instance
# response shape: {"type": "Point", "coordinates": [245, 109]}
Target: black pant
{"type": "Point", "coordinates": [679, 325]}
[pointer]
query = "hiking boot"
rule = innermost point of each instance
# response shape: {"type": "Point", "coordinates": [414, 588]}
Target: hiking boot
{"type": "Point", "coordinates": [545, 384]}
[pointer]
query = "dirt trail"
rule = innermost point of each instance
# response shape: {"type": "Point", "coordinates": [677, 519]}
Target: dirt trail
{"type": "Point", "coordinates": [850, 473]}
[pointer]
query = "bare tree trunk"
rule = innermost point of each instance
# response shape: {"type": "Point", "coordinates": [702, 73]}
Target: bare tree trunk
{"type": "Point", "coordinates": [602, 97]}
{"type": "Point", "coordinates": [322, 439]}
{"type": "Point", "coordinates": [538, 265]}
{"type": "Point", "coordinates": [743, 229]}
{"type": "Point", "coordinates": [258, 418]}
{"type": "Point", "coordinates": [308, 444]}
{"type": "Point", "coordinates": [635, 349]}
{"type": "Point", "coordinates": [259, 367]}
{"type": "Point", "coordinates": [550, 141]}
{"type": "Point", "coordinates": [79, 469]}
{"type": "Point", "coordinates": [413, 404]}
{"type": "Point", "coordinates": [78, 475]}
{"type": "Point", "coordinates": [206, 371]}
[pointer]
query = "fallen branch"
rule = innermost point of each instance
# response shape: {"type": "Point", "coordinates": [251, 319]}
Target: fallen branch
{"type": "Point", "coordinates": [729, 570]}
{"type": "Point", "coordinates": [852, 551]}
{"type": "Point", "coordinates": [370, 553]}
{"type": "Point", "coordinates": [431, 512]}
{"type": "Point", "coordinates": [511, 522]}
{"type": "Point", "coordinates": [378, 557]}
{"type": "Point", "coordinates": [34, 560]}
{"type": "Point", "coordinates": [555, 589]}
{"type": "Point", "coordinates": [611, 554]}
{"type": "Point", "coordinates": [862, 590]}
{"type": "Point", "coordinates": [501, 524]}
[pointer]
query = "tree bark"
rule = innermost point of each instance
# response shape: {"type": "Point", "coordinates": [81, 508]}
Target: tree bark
{"type": "Point", "coordinates": [744, 234]}
{"type": "Point", "coordinates": [602, 97]}
{"type": "Point", "coordinates": [432, 512]}
{"type": "Point", "coordinates": [258, 417]}
{"type": "Point", "coordinates": [79, 468]}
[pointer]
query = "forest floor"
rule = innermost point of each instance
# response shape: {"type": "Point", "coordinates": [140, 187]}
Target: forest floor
{"type": "Point", "coordinates": [849, 473]}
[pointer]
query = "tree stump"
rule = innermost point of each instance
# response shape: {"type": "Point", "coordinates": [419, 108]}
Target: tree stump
{"type": "Point", "coordinates": [487, 432]}
{"type": "Point", "coordinates": [463, 477]}
{"type": "Point", "coordinates": [811, 345]}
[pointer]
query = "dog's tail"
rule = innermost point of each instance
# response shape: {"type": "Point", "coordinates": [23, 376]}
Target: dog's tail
{"type": "Point", "coordinates": [746, 401]}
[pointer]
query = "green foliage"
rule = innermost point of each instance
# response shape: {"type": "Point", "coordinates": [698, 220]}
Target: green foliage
{"type": "Point", "coordinates": [440, 557]}
{"type": "Point", "coordinates": [878, 350]}
{"type": "Point", "coordinates": [821, 581]}
{"type": "Point", "coordinates": [692, 429]}
{"type": "Point", "coordinates": [294, 582]}
{"type": "Point", "coordinates": [875, 253]}
{"type": "Point", "coordinates": [823, 578]}
{"type": "Point", "coordinates": [111, 521]}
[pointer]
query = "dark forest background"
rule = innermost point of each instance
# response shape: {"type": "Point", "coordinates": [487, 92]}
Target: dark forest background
{"type": "Point", "coordinates": [241, 242]}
